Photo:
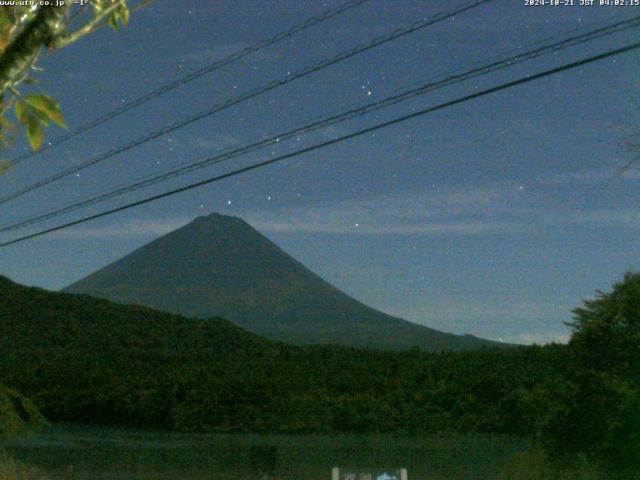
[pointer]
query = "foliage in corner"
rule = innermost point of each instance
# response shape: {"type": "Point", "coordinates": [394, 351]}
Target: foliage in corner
{"type": "Point", "coordinates": [27, 30]}
{"type": "Point", "coordinates": [35, 112]}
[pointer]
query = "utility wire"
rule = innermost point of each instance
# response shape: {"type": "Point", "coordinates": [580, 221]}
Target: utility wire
{"type": "Point", "coordinates": [379, 126]}
{"type": "Point", "coordinates": [396, 34]}
{"type": "Point", "coordinates": [422, 89]}
{"type": "Point", "coordinates": [240, 54]}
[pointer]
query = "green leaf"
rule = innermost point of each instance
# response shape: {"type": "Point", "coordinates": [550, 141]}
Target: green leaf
{"type": "Point", "coordinates": [124, 14]}
{"type": "Point", "coordinates": [22, 112]}
{"type": "Point", "coordinates": [46, 108]}
{"type": "Point", "coordinates": [113, 20]}
{"type": "Point", "coordinates": [41, 116]}
{"type": "Point", "coordinates": [35, 135]}
{"type": "Point", "coordinates": [42, 102]}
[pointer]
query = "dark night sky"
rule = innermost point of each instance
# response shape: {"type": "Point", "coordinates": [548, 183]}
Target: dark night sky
{"type": "Point", "coordinates": [494, 217]}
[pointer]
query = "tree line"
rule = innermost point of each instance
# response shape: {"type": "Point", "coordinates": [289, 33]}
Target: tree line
{"type": "Point", "coordinates": [86, 360]}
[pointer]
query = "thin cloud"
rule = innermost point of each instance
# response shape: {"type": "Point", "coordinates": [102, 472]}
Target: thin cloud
{"type": "Point", "coordinates": [131, 228]}
{"type": "Point", "coordinates": [476, 228]}
{"type": "Point", "coordinates": [538, 338]}
{"type": "Point", "coordinates": [591, 177]}
{"type": "Point", "coordinates": [615, 217]}
{"type": "Point", "coordinates": [499, 210]}
{"type": "Point", "coordinates": [453, 211]}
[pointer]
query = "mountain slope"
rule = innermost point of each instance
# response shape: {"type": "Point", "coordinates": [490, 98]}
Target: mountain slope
{"type": "Point", "coordinates": [220, 266]}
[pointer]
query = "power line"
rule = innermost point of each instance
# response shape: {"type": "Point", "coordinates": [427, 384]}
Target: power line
{"type": "Point", "coordinates": [343, 116]}
{"type": "Point", "coordinates": [379, 126]}
{"type": "Point", "coordinates": [240, 54]}
{"type": "Point", "coordinates": [396, 34]}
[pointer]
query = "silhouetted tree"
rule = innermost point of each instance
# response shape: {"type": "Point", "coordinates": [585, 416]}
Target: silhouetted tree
{"type": "Point", "coordinates": [601, 414]}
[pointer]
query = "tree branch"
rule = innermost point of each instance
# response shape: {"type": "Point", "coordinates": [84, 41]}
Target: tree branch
{"type": "Point", "coordinates": [23, 50]}
{"type": "Point", "coordinates": [87, 28]}
{"type": "Point", "coordinates": [95, 24]}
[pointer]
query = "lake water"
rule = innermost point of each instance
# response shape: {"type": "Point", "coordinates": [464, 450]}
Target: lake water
{"type": "Point", "coordinates": [92, 453]}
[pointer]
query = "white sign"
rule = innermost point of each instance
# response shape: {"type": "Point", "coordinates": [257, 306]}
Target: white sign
{"type": "Point", "coordinates": [368, 474]}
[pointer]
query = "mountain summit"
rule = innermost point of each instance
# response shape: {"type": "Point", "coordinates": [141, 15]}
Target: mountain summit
{"type": "Point", "coordinates": [220, 266]}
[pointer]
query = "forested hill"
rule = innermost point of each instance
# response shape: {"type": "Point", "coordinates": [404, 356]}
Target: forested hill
{"type": "Point", "coordinates": [92, 361]}
{"type": "Point", "coordinates": [221, 266]}
{"type": "Point", "coordinates": [48, 319]}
